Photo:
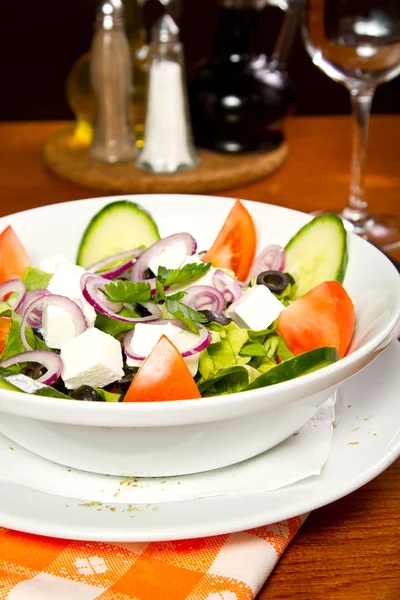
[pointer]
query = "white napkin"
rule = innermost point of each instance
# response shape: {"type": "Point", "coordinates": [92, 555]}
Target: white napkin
{"type": "Point", "coordinates": [300, 456]}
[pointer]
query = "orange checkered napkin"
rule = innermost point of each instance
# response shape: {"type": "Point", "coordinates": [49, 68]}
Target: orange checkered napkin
{"type": "Point", "coordinates": [227, 567]}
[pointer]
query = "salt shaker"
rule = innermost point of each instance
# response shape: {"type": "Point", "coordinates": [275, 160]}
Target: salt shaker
{"type": "Point", "coordinates": [113, 138]}
{"type": "Point", "coordinates": [168, 144]}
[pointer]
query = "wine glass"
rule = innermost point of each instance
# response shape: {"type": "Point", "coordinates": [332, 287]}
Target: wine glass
{"type": "Point", "coordinates": [357, 42]}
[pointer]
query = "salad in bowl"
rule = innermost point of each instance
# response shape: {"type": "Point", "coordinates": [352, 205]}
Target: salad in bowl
{"type": "Point", "coordinates": [159, 321]}
{"type": "Point", "coordinates": [164, 335]}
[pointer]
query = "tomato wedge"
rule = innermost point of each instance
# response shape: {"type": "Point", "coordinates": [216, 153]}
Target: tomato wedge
{"type": "Point", "coordinates": [164, 375]}
{"type": "Point", "coordinates": [5, 324]}
{"type": "Point", "coordinates": [13, 257]}
{"type": "Point", "coordinates": [235, 245]}
{"type": "Point", "coordinates": [324, 316]}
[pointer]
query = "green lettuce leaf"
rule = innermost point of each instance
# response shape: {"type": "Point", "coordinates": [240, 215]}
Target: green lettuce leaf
{"type": "Point", "coordinates": [253, 349]}
{"type": "Point", "coordinates": [5, 308]}
{"type": "Point", "coordinates": [224, 350]}
{"type": "Point", "coordinates": [33, 279]}
{"type": "Point", "coordinates": [108, 396]}
{"type": "Point", "coordinates": [225, 381]}
{"type": "Point", "coordinates": [113, 326]}
{"type": "Point", "coordinates": [283, 352]}
{"type": "Point", "coordinates": [13, 342]}
{"type": "Point", "coordinates": [228, 381]}
{"type": "Point", "coordinates": [268, 361]}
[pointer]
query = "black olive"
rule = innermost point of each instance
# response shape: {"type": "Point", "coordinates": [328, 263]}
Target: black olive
{"type": "Point", "coordinates": [60, 386]}
{"type": "Point", "coordinates": [142, 310]}
{"type": "Point", "coordinates": [275, 281]}
{"type": "Point", "coordinates": [86, 393]}
{"type": "Point", "coordinates": [216, 317]}
{"type": "Point", "coordinates": [122, 385]}
{"type": "Point", "coordinates": [148, 274]}
{"type": "Point", "coordinates": [34, 371]}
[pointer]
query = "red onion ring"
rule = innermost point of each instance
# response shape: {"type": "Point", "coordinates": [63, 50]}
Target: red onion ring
{"type": "Point", "coordinates": [142, 263]}
{"type": "Point", "coordinates": [152, 308]}
{"type": "Point", "coordinates": [203, 341]}
{"type": "Point", "coordinates": [62, 302]}
{"type": "Point", "coordinates": [50, 360]}
{"type": "Point", "coordinates": [96, 288]}
{"type": "Point", "coordinates": [116, 271]}
{"type": "Point", "coordinates": [90, 292]}
{"type": "Point", "coordinates": [272, 258]}
{"type": "Point", "coordinates": [204, 297]}
{"type": "Point", "coordinates": [13, 285]}
{"type": "Point", "coordinates": [35, 317]}
{"type": "Point", "coordinates": [227, 285]}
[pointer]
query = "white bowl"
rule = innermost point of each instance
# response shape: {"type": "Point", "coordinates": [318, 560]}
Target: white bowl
{"type": "Point", "coordinates": [176, 438]}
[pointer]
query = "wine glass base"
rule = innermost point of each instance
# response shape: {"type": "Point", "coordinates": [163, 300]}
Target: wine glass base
{"type": "Point", "coordinates": [384, 231]}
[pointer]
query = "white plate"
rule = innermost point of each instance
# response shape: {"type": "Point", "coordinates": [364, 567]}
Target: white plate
{"type": "Point", "coordinates": [365, 442]}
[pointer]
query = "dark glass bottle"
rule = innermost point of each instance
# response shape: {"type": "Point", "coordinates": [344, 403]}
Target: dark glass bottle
{"type": "Point", "coordinates": [235, 104]}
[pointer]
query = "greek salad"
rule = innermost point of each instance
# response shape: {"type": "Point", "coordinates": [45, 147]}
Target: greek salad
{"type": "Point", "coordinates": [138, 318]}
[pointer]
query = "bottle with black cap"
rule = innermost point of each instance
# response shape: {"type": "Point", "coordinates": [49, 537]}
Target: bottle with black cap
{"type": "Point", "coordinates": [238, 98]}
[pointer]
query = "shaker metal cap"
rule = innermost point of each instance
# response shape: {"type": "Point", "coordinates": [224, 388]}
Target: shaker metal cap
{"type": "Point", "coordinates": [165, 30]}
{"type": "Point", "coordinates": [110, 14]}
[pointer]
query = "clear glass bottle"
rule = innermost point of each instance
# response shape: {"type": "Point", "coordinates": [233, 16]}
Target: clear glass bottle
{"type": "Point", "coordinates": [168, 144]}
{"type": "Point", "coordinates": [79, 90]}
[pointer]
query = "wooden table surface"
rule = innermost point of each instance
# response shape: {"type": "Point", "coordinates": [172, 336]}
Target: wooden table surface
{"type": "Point", "coordinates": [351, 548]}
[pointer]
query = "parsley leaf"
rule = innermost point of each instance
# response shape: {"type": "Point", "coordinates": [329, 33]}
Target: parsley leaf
{"type": "Point", "coordinates": [35, 279]}
{"type": "Point", "coordinates": [160, 292]}
{"type": "Point", "coordinates": [178, 296]}
{"type": "Point", "coordinates": [127, 291]}
{"type": "Point", "coordinates": [184, 313]}
{"type": "Point", "coordinates": [178, 276]}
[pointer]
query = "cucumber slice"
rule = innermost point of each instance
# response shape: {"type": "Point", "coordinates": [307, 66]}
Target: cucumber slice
{"type": "Point", "coordinates": [10, 380]}
{"type": "Point", "coordinates": [317, 253]}
{"type": "Point", "coordinates": [296, 367]}
{"type": "Point", "coordinates": [5, 385]}
{"type": "Point", "coordinates": [117, 227]}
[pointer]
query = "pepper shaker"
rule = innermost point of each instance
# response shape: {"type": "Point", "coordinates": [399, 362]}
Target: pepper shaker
{"type": "Point", "coordinates": [113, 138]}
{"type": "Point", "coordinates": [168, 144]}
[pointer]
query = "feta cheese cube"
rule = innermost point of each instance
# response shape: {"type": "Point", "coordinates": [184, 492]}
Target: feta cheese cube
{"type": "Point", "coordinates": [66, 281]}
{"type": "Point", "coordinates": [184, 340]}
{"type": "Point", "coordinates": [146, 336]}
{"type": "Point", "coordinates": [256, 309]}
{"type": "Point", "coordinates": [51, 263]}
{"type": "Point", "coordinates": [171, 257]}
{"type": "Point", "coordinates": [92, 358]}
{"type": "Point", "coordinates": [57, 326]}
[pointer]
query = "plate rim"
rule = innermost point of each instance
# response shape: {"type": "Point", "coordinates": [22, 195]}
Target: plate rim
{"type": "Point", "coordinates": [239, 522]}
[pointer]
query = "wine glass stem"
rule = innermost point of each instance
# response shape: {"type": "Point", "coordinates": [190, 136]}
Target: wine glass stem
{"type": "Point", "coordinates": [357, 210]}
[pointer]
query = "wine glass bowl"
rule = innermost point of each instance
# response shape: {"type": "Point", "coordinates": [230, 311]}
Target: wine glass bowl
{"type": "Point", "coordinates": [357, 43]}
